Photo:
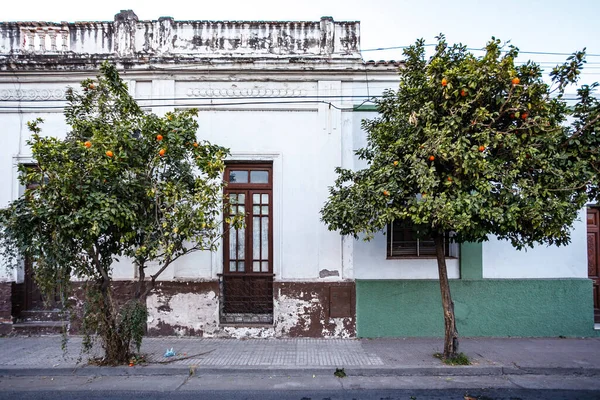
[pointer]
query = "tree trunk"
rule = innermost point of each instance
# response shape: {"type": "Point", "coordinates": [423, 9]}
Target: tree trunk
{"type": "Point", "coordinates": [140, 287]}
{"type": "Point", "coordinates": [450, 332]}
{"type": "Point", "coordinates": [116, 350]}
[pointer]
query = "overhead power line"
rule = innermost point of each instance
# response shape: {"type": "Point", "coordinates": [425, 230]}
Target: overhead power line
{"type": "Point", "coordinates": [221, 104]}
{"type": "Point", "coordinates": [481, 49]}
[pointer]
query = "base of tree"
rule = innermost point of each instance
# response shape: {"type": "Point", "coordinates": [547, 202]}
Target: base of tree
{"type": "Point", "coordinates": [459, 359]}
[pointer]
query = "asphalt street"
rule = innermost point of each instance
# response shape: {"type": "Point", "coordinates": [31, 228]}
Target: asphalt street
{"type": "Point", "coordinates": [300, 387]}
{"type": "Point", "coordinates": [373, 394]}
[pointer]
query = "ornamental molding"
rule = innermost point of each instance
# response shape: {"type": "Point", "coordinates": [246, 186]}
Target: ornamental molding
{"type": "Point", "coordinates": [32, 94]}
{"type": "Point", "coordinates": [250, 92]}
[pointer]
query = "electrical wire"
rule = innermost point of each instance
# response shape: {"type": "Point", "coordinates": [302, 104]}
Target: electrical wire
{"type": "Point", "coordinates": [480, 49]}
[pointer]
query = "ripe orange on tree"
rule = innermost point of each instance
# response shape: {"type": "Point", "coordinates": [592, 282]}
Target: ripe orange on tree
{"type": "Point", "coordinates": [463, 92]}
{"type": "Point", "coordinates": [162, 152]}
{"type": "Point", "coordinates": [386, 193]}
{"type": "Point", "coordinates": [396, 163]}
{"type": "Point", "coordinates": [159, 137]}
{"type": "Point", "coordinates": [88, 144]}
{"type": "Point", "coordinates": [444, 82]}
{"type": "Point", "coordinates": [515, 81]}
{"type": "Point", "coordinates": [431, 158]}
{"type": "Point", "coordinates": [481, 148]}
{"type": "Point", "coordinates": [195, 144]}
{"type": "Point", "coordinates": [524, 116]}
{"type": "Point", "coordinates": [109, 153]}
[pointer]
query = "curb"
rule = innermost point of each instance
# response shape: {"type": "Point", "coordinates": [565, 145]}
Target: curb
{"type": "Point", "coordinates": [151, 370]}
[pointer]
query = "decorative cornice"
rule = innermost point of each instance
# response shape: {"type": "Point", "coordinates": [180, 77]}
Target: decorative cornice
{"type": "Point", "coordinates": [250, 92]}
{"type": "Point", "coordinates": [32, 94]}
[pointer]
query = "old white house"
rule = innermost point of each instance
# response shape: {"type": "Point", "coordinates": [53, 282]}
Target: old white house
{"type": "Point", "coordinates": [287, 98]}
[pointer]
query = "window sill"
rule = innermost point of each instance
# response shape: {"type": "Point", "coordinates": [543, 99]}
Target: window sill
{"type": "Point", "coordinates": [418, 258]}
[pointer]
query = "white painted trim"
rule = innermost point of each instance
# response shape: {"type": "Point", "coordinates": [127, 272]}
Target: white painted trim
{"type": "Point", "coordinates": [18, 274]}
{"type": "Point", "coordinates": [277, 159]}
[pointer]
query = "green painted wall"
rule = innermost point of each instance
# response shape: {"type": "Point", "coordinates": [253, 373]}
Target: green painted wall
{"type": "Point", "coordinates": [471, 261]}
{"type": "Point", "coordinates": [489, 307]}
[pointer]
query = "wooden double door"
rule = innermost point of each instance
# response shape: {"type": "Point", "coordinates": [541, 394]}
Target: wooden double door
{"type": "Point", "coordinates": [593, 244]}
{"type": "Point", "coordinates": [248, 251]}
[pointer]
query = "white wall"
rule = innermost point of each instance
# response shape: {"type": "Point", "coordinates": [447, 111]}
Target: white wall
{"type": "Point", "coordinates": [501, 260]}
{"type": "Point", "coordinates": [370, 263]}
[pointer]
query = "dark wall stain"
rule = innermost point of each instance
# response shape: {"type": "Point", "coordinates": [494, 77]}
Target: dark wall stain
{"type": "Point", "coordinates": [324, 273]}
{"type": "Point", "coordinates": [315, 320]}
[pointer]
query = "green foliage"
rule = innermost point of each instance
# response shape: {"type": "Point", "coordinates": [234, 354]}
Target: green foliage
{"type": "Point", "coordinates": [121, 183]}
{"type": "Point", "coordinates": [463, 146]}
{"type": "Point", "coordinates": [459, 359]}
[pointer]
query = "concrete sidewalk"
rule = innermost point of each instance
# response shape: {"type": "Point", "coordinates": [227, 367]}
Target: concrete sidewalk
{"type": "Point", "coordinates": [42, 356]}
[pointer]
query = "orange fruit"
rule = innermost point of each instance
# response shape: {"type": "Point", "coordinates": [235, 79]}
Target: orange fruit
{"type": "Point", "coordinates": [449, 179]}
{"type": "Point", "coordinates": [444, 82]}
{"type": "Point", "coordinates": [88, 144]}
{"type": "Point", "coordinates": [481, 148]}
{"type": "Point", "coordinates": [463, 92]}
{"type": "Point", "coordinates": [92, 86]}
{"type": "Point", "coordinates": [159, 137]}
{"type": "Point", "coordinates": [524, 116]}
{"type": "Point", "coordinates": [162, 152]}
{"type": "Point", "coordinates": [515, 81]}
{"type": "Point", "coordinates": [195, 144]}
{"type": "Point", "coordinates": [431, 158]}
{"type": "Point", "coordinates": [109, 153]}
{"type": "Point", "coordinates": [386, 193]}
{"type": "Point", "coordinates": [395, 163]}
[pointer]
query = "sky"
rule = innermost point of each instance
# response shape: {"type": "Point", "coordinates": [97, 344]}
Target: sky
{"type": "Point", "coordinates": [532, 25]}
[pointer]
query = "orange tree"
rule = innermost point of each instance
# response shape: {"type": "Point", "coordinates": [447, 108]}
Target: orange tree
{"type": "Point", "coordinates": [121, 183]}
{"type": "Point", "coordinates": [471, 146]}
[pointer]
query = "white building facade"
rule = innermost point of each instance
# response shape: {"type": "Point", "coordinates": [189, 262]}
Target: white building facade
{"type": "Point", "coordinates": [287, 98]}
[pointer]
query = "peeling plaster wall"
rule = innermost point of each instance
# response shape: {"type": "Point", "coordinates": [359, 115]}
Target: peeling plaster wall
{"type": "Point", "coordinates": [300, 310]}
{"type": "Point", "coordinates": [184, 309]}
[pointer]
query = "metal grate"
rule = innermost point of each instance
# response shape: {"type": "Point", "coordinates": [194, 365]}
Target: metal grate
{"type": "Point", "coordinates": [247, 299]}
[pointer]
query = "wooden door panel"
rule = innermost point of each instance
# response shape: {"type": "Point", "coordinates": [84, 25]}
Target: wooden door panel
{"type": "Point", "coordinates": [593, 246]}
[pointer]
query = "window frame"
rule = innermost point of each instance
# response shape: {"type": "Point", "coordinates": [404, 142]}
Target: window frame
{"type": "Point", "coordinates": [389, 242]}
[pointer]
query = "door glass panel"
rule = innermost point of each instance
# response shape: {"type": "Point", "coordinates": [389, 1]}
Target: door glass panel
{"type": "Point", "coordinates": [238, 176]}
{"type": "Point", "coordinates": [241, 198]}
{"type": "Point", "coordinates": [259, 176]}
{"type": "Point", "coordinates": [265, 266]}
{"type": "Point", "coordinates": [256, 238]}
{"type": "Point", "coordinates": [256, 210]}
{"type": "Point", "coordinates": [232, 244]}
{"type": "Point", "coordinates": [241, 244]}
{"type": "Point", "coordinates": [241, 266]}
{"type": "Point", "coordinates": [265, 199]}
{"type": "Point", "coordinates": [232, 266]}
{"type": "Point", "coordinates": [256, 266]}
{"type": "Point", "coordinates": [265, 238]}
{"type": "Point", "coordinates": [265, 210]}
{"type": "Point", "coordinates": [256, 198]}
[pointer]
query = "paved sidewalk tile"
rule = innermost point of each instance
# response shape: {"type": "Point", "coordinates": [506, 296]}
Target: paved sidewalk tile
{"type": "Point", "coordinates": [520, 355]}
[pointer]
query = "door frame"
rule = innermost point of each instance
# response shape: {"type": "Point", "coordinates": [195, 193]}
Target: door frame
{"type": "Point", "coordinates": [594, 210]}
{"type": "Point", "coordinates": [256, 285]}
